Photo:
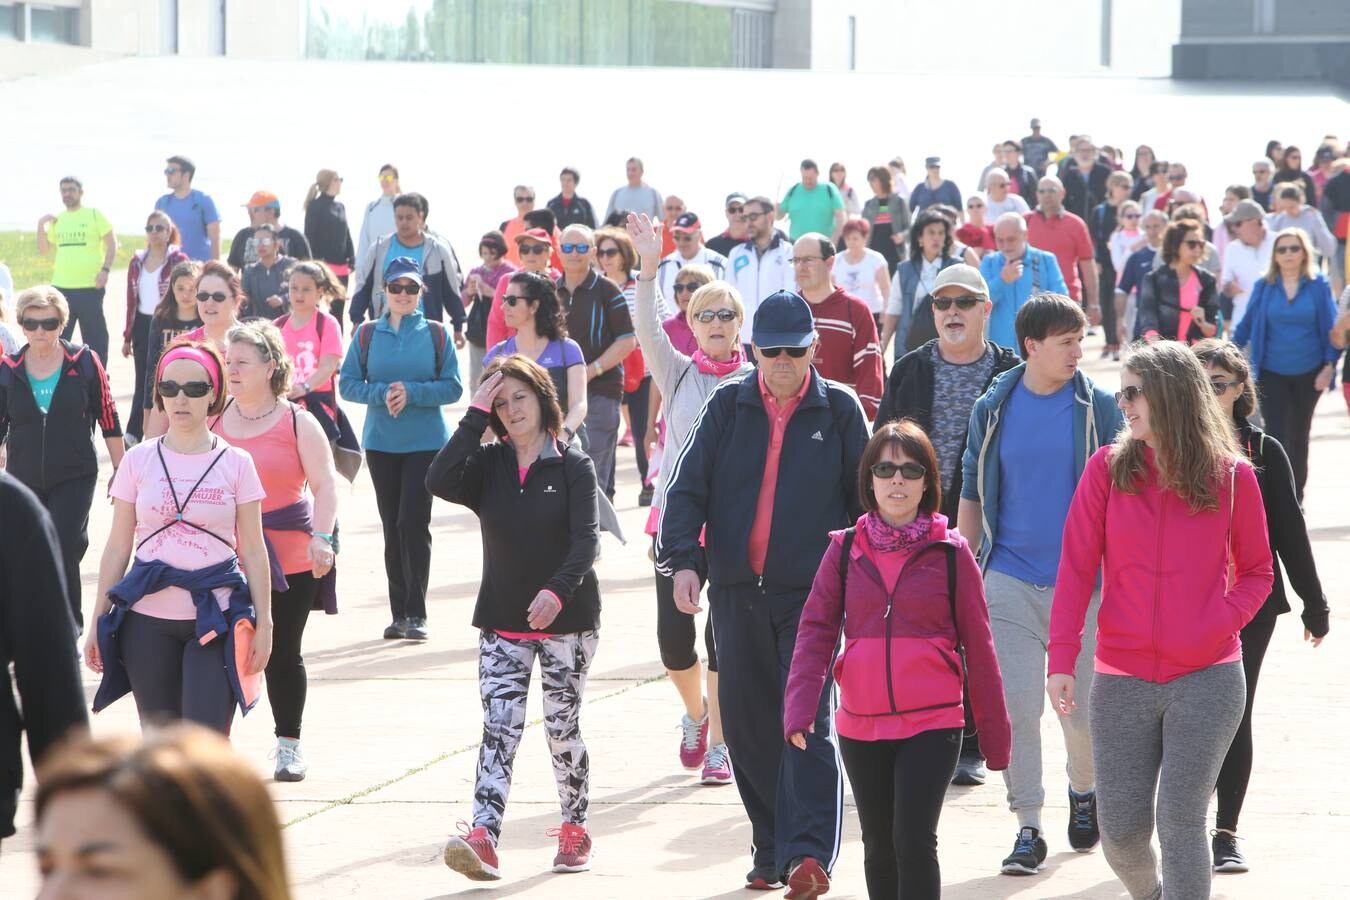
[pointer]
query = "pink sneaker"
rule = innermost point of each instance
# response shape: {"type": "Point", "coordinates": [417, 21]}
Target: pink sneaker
{"type": "Point", "coordinates": [473, 854]}
{"type": "Point", "coordinates": [693, 741]}
{"type": "Point", "coordinates": [574, 848]}
{"type": "Point", "coordinates": [716, 765]}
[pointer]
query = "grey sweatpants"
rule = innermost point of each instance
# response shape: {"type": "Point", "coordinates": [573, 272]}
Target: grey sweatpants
{"type": "Point", "coordinates": [1019, 617]}
{"type": "Point", "coordinates": [1163, 744]}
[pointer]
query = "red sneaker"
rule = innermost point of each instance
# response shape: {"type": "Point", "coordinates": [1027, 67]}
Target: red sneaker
{"type": "Point", "coordinates": [574, 848]}
{"type": "Point", "coordinates": [807, 880]}
{"type": "Point", "coordinates": [472, 853]}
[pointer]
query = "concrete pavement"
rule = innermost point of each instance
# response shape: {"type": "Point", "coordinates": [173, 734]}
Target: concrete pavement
{"type": "Point", "coordinates": [391, 733]}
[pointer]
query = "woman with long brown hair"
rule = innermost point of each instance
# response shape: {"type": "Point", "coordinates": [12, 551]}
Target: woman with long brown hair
{"type": "Point", "coordinates": [148, 277]}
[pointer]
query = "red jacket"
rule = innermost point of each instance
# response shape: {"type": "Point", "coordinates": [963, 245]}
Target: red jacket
{"type": "Point", "coordinates": [1166, 607]}
{"type": "Point", "coordinates": [171, 259]}
{"type": "Point", "coordinates": [849, 351]}
{"type": "Point", "coordinates": [907, 635]}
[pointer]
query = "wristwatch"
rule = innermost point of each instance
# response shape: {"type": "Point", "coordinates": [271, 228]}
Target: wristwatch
{"type": "Point", "coordinates": [305, 386]}
{"type": "Point", "coordinates": [599, 369]}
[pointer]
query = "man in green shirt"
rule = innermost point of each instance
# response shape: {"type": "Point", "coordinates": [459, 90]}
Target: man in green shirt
{"type": "Point", "coordinates": [84, 246]}
{"type": "Point", "coordinates": [813, 206]}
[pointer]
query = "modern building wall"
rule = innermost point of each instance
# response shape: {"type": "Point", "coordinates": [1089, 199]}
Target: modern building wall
{"type": "Point", "coordinates": [1264, 40]}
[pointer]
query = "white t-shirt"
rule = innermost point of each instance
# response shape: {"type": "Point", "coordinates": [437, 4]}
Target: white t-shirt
{"type": "Point", "coordinates": [7, 288]}
{"type": "Point", "coordinates": [860, 278]}
{"type": "Point", "coordinates": [148, 290]}
{"type": "Point", "coordinates": [1011, 203]}
{"type": "Point", "coordinates": [1247, 265]}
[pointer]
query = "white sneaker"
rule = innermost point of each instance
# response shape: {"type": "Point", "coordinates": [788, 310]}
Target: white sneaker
{"type": "Point", "coordinates": [291, 765]}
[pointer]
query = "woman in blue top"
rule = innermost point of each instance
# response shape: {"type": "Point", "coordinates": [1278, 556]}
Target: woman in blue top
{"type": "Point", "coordinates": [403, 368]}
{"type": "Point", "coordinates": [1286, 331]}
{"type": "Point", "coordinates": [530, 306]}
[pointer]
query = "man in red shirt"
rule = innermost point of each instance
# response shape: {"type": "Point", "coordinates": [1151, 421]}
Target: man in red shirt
{"type": "Point", "coordinates": [848, 351]}
{"type": "Point", "coordinates": [1052, 228]}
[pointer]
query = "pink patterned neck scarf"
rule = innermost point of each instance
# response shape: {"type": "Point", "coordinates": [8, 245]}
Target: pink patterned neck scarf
{"type": "Point", "coordinates": [886, 538]}
{"type": "Point", "coordinates": [709, 366]}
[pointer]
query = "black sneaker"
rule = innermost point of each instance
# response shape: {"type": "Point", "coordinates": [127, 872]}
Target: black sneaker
{"type": "Point", "coordinates": [1028, 856]}
{"type": "Point", "coordinates": [417, 629]}
{"type": "Point", "coordinates": [763, 878]}
{"type": "Point", "coordinates": [645, 496]}
{"type": "Point", "coordinates": [1227, 856]}
{"type": "Point", "coordinates": [397, 630]}
{"type": "Point", "coordinates": [970, 770]}
{"type": "Point", "coordinates": [1083, 833]}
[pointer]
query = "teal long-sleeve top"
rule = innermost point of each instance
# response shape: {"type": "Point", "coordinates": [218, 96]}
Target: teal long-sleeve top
{"type": "Point", "coordinates": [407, 354]}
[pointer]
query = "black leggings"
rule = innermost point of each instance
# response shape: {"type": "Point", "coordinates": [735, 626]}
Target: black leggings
{"type": "Point", "coordinates": [1106, 296]}
{"type": "Point", "coordinates": [140, 350]}
{"type": "Point", "coordinates": [173, 676]}
{"type": "Point", "coordinates": [405, 512]}
{"type": "Point", "coordinates": [638, 404]}
{"type": "Point", "coordinates": [899, 787]}
{"type": "Point", "coordinates": [68, 504]}
{"type": "Point", "coordinates": [1288, 403]}
{"type": "Point", "coordinates": [286, 680]}
{"type": "Point", "coordinates": [1237, 766]}
{"type": "Point", "coordinates": [675, 630]}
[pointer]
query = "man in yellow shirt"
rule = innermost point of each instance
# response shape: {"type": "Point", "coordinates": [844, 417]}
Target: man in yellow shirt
{"type": "Point", "coordinates": [84, 247]}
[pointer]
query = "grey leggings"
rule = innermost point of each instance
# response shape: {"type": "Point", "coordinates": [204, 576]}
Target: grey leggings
{"type": "Point", "coordinates": [173, 676]}
{"type": "Point", "coordinates": [1163, 744]}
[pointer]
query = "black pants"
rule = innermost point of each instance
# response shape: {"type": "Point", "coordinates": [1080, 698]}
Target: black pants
{"type": "Point", "coordinates": [794, 798]}
{"type": "Point", "coordinates": [286, 680]}
{"type": "Point", "coordinates": [86, 310]}
{"type": "Point", "coordinates": [639, 403]}
{"type": "Point", "coordinates": [336, 307]}
{"type": "Point", "coordinates": [1237, 765]}
{"type": "Point", "coordinates": [140, 350]}
{"type": "Point", "coordinates": [173, 676]}
{"type": "Point", "coordinates": [405, 512]}
{"type": "Point", "coordinates": [899, 787]}
{"type": "Point", "coordinates": [1106, 296]}
{"type": "Point", "coordinates": [68, 502]}
{"type": "Point", "coordinates": [675, 630]}
{"type": "Point", "coordinates": [1288, 402]}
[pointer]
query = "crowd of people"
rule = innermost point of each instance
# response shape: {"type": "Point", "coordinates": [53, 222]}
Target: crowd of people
{"type": "Point", "coordinates": [929, 542]}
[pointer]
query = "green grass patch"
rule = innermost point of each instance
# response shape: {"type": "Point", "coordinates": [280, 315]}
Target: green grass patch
{"type": "Point", "coordinates": [18, 250]}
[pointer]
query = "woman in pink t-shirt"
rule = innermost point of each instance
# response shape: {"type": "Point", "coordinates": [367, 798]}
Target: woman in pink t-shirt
{"type": "Point", "coordinates": [191, 502]}
{"type": "Point", "coordinates": [290, 451]}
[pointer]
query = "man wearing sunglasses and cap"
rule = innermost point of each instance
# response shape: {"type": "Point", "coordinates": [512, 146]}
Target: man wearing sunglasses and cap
{"type": "Point", "coordinates": [689, 250]}
{"type": "Point", "coordinates": [770, 468]}
{"type": "Point", "coordinates": [735, 233]}
{"type": "Point", "coordinates": [265, 209]}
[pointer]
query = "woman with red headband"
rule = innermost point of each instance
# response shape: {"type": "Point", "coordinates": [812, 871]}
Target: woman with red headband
{"type": "Point", "coordinates": [188, 630]}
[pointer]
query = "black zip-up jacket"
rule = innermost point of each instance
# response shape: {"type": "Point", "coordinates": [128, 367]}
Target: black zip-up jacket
{"type": "Point", "coordinates": [1080, 197]}
{"type": "Point", "coordinates": [909, 395]}
{"type": "Point", "coordinates": [36, 634]}
{"type": "Point", "coordinates": [716, 477]}
{"type": "Point", "coordinates": [1287, 530]}
{"type": "Point", "coordinates": [327, 232]}
{"type": "Point", "coordinates": [1160, 304]}
{"type": "Point", "coordinates": [578, 212]}
{"type": "Point", "coordinates": [50, 449]}
{"type": "Point", "coordinates": [540, 535]}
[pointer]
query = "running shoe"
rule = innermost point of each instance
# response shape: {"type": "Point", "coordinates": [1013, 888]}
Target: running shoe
{"type": "Point", "coordinates": [645, 495]}
{"type": "Point", "coordinates": [397, 630]}
{"type": "Point", "coordinates": [970, 770]}
{"type": "Point", "coordinates": [417, 629]}
{"type": "Point", "coordinates": [472, 853]}
{"type": "Point", "coordinates": [1227, 856]}
{"type": "Point", "coordinates": [763, 878]}
{"type": "Point", "coordinates": [717, 765]}
{"type": "Point", "coordinates": [574, 848]}
{"type": "Point", "coordinates": [807, 880]}
{"type": "Point", "coordinates": [1083, 833]}
{"type": "Point", "coordinates": [693, 740]}
{"type": "Point", "coordinates": [1028, 856]}
{"type": "Point", "coordinates": [291, 765]}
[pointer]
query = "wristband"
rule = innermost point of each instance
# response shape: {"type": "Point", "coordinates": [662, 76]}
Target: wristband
{"type": "Point", "coordinates": [599, 369]}
{"type": "Point", "coordinates": [326, 536]}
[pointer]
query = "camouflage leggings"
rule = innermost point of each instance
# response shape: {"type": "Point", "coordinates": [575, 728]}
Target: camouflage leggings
{"type": "Point", "coordinates": [504, 669]}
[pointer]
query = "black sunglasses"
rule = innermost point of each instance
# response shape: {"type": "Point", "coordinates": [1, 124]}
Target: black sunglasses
{"type": "Point", "coordinates": [721, 315]}
{"type": "Point", "coordinates": [689, 286]}
{"type": "Point", "coordinates": [413, 289]}
{"type": "Point", "coordinates": [1289, 248]}
{"type": "Point", "coordinates": [1130, 394]}
{"type": "Point", "coordinates": [794, 352]}
{"type": "Point", "coordinates": [532, 249]}
{"type": "Point", "coordinates": [964, 303]}
{"type": "Point", "coordinates": [1221, 386]}
{"type": "Point", "coordinates": [608, 252]}
{"type": "Point", "coordinates": [910, 471]}
{"type": "Point", "coordinates": [194, 389]}
{"type": "Point", "coordinates": [44, 324]}
{"type": "Point", "coordinates": [525, 199]}
{"type": "Point", "coordinates": [218, 296]}
{"type": "Point", "coordinates": [513, 299]}
{"type": "Point", "coordinates": [158, 227]}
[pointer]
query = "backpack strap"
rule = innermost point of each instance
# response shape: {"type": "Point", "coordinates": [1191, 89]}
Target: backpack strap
{"type": "Point", "coordinates": [437, 344]}
{"type": "Point", "coordinates": [951, 592]}
{"type": "Point", "coordinates": [843, 562]}
{"type": "Point", "coordinates": [364, 334]}
{"type": "Point", "coordinates": [281, 320]}
{"type": "Point", "coordinates": [1035, 274]}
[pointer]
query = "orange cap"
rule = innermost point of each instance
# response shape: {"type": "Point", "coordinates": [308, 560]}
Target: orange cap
{"type": "Point", "coordinates": [263, 198]}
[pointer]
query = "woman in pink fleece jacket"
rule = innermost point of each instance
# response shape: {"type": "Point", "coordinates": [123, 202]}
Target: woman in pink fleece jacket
{"type": "Point", "coordinates": [908, 594]}
{"type": "Point", "coordinates": [1187, 565]}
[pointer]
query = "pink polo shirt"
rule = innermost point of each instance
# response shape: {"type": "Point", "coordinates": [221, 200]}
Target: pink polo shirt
{"type": "Point", "coordinates": [778, 419]}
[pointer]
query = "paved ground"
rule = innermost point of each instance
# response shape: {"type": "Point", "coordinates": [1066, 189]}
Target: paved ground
{"type": "Point", "coordinates": [392, 728]}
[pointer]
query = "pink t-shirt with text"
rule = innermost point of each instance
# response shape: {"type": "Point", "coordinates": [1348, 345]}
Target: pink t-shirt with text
{"type": "Point", "coordinates": [306, 347]}
{"type": "Point", "coordinates": [140, 481]}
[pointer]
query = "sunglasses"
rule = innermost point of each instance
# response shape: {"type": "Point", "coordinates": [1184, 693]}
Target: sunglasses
{"type": "Point", "coordinates": [1289, 248]}
{"type": "Point", "coordinates": [529, 199]}
{"type": "Point", "coordinates": [1176, 179]}
{"type": "Point", "coordinates": [1129, 394]}
{"type": "Point", "coordinates": [172, 171]}
{"type": "Point", "coordinates": [1221, 386]}
{"type": "Point", "coordinates": [1129, 216]}
{"type": "Point", "coordinates": [794, 352]}
{"type": "Point", "coordinates": [752, 216]}
{"type": "Point", "coordinates": [388, 179]}
{"type": "Point", "coordinates": [411, 289]}
{"type": "Point", "coordinates": [512, 299]}
{"type": "Point", "coordinates": [575, 248]}
{"type": "Point", "coordinates": [910, 471]}
{"type": "Point", "coordinates": [735, 210]}
{"type": "Point", "coordinates": [689, 286]}
{"type": "Point", "coordinates": [684, 237]}
{"type": "Point", "coordinates": [962, 303]}
{"type": "Point", "coordinates": [218, 296]}
{"type": "Point", "coordinates": [1048, 190]}
{"type": "Point", "coordinates": [532, 249]}
{"type": "Point", "coordinates": [194, 389]}
{"type": "Point", "coordinates": [264, 241]}
{"type": "Point", "coordinates": [611, 251]}
{"type": "Point", "coordinates": [721, 315]}
{"type": "Point", "coordinates": [150, 229]}
{"type": "Point", "coordinates": [44, 324]}
{"type": "Point", "coordinates": [1193, 243]}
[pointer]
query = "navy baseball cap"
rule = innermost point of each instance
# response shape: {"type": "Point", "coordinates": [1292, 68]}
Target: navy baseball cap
{"type": "Point", "coordinates": [403, 267]}
{"type": "Point", "coordinates": [783, 320]}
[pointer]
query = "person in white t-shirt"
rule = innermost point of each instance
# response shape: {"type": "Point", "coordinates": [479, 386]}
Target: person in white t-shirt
{"type": "Point", "coordinates": [689, 250]}
{"type": "Point", "coordinates": [999, 199]}
{"type": "Point", "coordinates": [1247, 258]}
{"type": "Point", "coordinates": [861, 270]}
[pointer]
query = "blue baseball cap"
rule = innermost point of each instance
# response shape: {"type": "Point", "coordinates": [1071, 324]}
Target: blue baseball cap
{"type": "Point", "coordinates": [783, 320]}
{"type": "Point", "coordinates": [403, 267]}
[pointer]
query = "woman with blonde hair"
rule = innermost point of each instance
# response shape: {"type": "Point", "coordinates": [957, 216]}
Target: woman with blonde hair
{"type": "Point", "coordinates": [326, 230]}
{"type": "Point", "coordinates": [1183, 508]}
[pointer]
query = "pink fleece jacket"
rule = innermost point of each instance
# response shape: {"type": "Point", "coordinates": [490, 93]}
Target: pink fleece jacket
{"type": "Point", "coordinates": [1167, 609]}
{"type": "Point", "coordinates": [899, 673]}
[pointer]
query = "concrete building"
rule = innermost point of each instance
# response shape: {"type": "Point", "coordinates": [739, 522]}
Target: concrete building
{"type": "Point", "coordinates": [1263, 40]}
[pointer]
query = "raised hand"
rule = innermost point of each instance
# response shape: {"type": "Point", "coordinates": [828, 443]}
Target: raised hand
{"type": "Point", "coordinates": [487, 392]}
{"type": "Point", "coordinates": [646, 236]}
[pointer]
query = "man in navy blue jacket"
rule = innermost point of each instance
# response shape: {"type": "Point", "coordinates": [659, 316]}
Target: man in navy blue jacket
{"type": "Point", "coordinates": [770, 469]}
